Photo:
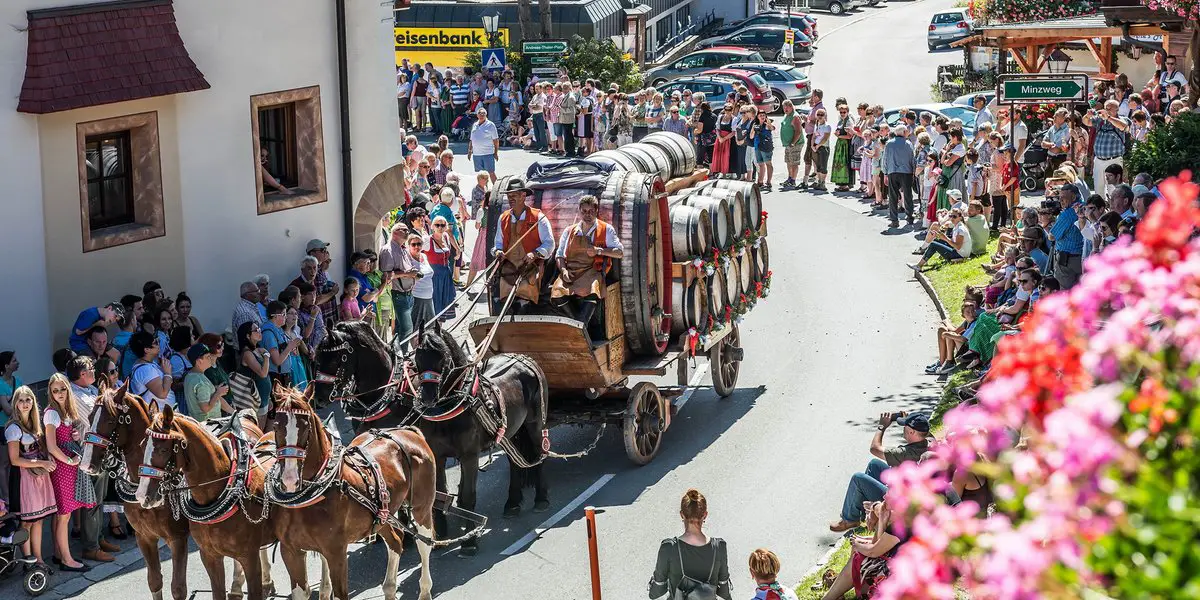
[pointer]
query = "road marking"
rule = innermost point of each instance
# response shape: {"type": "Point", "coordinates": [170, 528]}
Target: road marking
{"type": "Point", "coordinates": [692, 383]}
{"type": "Point", "coordinates": [873, 13]}
{"type": "Point", "coordinates": [558, 516]}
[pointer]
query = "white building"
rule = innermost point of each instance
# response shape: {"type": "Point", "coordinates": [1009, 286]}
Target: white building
{"type": "Point", "coordinates": [176, 99]}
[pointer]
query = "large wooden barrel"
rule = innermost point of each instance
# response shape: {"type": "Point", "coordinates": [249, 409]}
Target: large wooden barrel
{"type": "Point", "coordinates": [618, 160]}
{"type": "Point", "coordinates": [651, 159]}
{"type": "Point", "coordinates": [733, 286]}
{"type": "Point", "coordinates": [635, 205]}
{"type": "Point", "coordinates": [715, 293]}
{"type": "Point", "coordinates": [719, 215]}
{"type": "Point", "coordinates": [752, 196]}
{"type": "Point", "coordinates": [691, 233]}
{"type": "Point", "coordinates": [737, 211]}
{"type": "Point", "coordinates": [689, 306]}
{"type": "Point", "coordinates": [745, 263]}
{"type": "Point", "coordinates": [762, 260]}
{"type": "Point", "coordinates": [680, 152]}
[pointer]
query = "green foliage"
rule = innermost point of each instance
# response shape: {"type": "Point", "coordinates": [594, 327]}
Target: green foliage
{"type": "Point", "coordinates": [837, 561]}
{"type": "Point", "coordinates": [1169, 149]}
{"type": "Point", "coordinates": [949, 399]}
{"type": "Point", "coordinates": [950, 280]}
{"type": "Point", "coordinates": [602, 61]}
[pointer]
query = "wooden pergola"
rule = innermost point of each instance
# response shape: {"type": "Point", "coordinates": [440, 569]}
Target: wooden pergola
{"type": "Point", "coordinates": [1031, 44]}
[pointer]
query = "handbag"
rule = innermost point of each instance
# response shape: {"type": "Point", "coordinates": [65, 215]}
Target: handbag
{"type": "Point", "coordinates": [85, 488]}
{"type": "Point", "coordinates": [693, 589]}
{"type": "Point", "coordinates": [244, 392]}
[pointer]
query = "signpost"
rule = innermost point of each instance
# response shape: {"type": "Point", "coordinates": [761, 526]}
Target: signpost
{"type": "Point", "coordinates": [543, 55]}
{"type": "Point", "coordinates": [493, 59]}
{"type": "Point", "coordinates": [544, 47]}
{"type": "Point", "coordinates": [1036, 88]}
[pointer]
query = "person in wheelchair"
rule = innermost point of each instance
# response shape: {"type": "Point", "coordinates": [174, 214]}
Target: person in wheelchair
{"type": "Point", "coordinates": [585, 254]}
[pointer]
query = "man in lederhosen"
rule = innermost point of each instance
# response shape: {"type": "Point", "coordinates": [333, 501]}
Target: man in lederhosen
{"type": "Point", "coordinates": [585, 254]}
{"type": "Point", "coordinates": [523, 255]}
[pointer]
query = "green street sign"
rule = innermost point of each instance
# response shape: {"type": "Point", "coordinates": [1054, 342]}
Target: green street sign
{"type": "Point", "coordinates": [544, 47]}
{"type": "Point", "coordinates": [1034, 88]}
{"type": "Point", "coordinates": [544, 59]}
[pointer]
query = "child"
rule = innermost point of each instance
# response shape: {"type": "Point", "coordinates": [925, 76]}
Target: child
{"type": "Point", "coordinates": [975, 180]}
{"type": "Point", "coordinates": [25, 445]}
{"type": "Point", "coordinates": [1003, 278]}
{"type": "Point", "coordinates": [478, 193]}
{"type": "Point", "coordinates": [349, 310]}
{"type": "Point", "coordinates": [1002, 207]}
{"type": "Point", "coordinates": [820, 146]}
{"type": "Point", "coordinates": [764, 568]}
{"type": "Point", "coordinates": [866, 171]}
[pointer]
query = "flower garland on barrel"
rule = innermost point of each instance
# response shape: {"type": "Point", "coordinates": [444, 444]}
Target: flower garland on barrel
{"type": "Point", "coordinates": [1100, 498]}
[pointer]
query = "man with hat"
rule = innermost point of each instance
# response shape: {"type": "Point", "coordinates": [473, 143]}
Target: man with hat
{"type": "Point", "coordinates": [203, 398]}
{"type": "Point", "coordinates": [314, 270]}
{"type": "Point", "coordinates": [869, 486]}
{"type": "Point", "coordinates": [585, 254]}
{"type": "Point", "coordinates": [521, 250]}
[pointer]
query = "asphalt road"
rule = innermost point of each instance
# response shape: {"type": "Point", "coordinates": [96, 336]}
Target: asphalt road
{"type": "Point", "coordinates": [843, 336]}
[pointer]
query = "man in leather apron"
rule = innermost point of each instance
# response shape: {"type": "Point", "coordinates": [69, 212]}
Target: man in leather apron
{"type": "Point", "coordinates": [585, 254]}
{"type": "Point", "coordinates": [522, 252]}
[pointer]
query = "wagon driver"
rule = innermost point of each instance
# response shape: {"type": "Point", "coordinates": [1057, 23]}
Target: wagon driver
{"type": "Point", "coordinates": [522, 252]}
{"type": "Point", "coordinates": [585, 254]}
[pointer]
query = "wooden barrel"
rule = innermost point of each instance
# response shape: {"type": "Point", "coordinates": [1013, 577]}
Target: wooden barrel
{"type": "Point", "coordinates": [618, 160]}
{"type": "Point", "coordinates": [719, 215]}
{"type": "Point", "coordinates": [752, 195]}
{"type": "Point", "coordinates": [745, 263]}
{"type": "Point", "coordinates": [733, 285]}
{"type": "Point", "coordinates": [715, 293]}
{"type": "Point", "coordinates": [680, 152]}
{"type": "Point", "coordinates": [762, 260]}
{"type": "Point", "coordinates": [635, 205]}
{"type": "Point", "coordinates": [689, 306]}
{"type": "Point", "coordinates": [736, 201]}
{"type": "Point", "coordinates": [691, 233]}
{"type": "Point", "coordinates": [651, 159]}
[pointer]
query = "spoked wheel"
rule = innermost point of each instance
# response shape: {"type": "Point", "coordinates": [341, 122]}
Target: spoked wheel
{"type": "Point", "coordinates": [645, 422]}
{"type": "Point", "coordinates": [724, 362]}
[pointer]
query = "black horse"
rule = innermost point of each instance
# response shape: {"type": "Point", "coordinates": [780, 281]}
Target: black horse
{"type": "Point", "coordinates": [453, 400]}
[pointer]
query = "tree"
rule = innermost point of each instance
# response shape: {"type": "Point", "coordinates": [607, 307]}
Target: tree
{"type": "Point", "coordinates": [603, 61]}
{"type": "Point", "coordinates": [544, 9]}
{"type": "Point", "coordinates": [524, 19]}
{"type": "Point", "coordinates": [1189, 10]}
{"type": "Point", "coordinates": [1168, 149]}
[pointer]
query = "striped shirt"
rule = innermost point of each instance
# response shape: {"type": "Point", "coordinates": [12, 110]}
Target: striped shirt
{"type": "Point", "coordinates": [1067, 238]}
{"type": "Point", "coordinates": [459, 93]}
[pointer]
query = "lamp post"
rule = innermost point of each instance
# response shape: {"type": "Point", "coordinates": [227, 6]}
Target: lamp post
{"type": "Point", "coordinates": [491, 25]}
{"type": "Point", "coordinates": [1058, 61]}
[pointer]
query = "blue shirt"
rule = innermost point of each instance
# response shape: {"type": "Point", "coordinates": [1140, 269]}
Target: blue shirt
{"type": "Point", "coordinates": [1067, 237]}
{"type": "Point", "coordinates": [444, 211]}
{"type": "Point", "coordinates": [898, 157]}
{"type": "Point", "coordinates": [5, 390]}
{"type": "Point", "coordinates": [1041, 259]}
{"type": "Point", "coordinates": [364, 288]}
{"type": "Point", "coordinates": [1059, 136]}
{"type": "Point", "coordinates": [83, 322]}
{"type": "Point", "coordinates": [272, 339]}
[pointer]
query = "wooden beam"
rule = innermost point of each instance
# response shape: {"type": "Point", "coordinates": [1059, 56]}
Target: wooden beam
{"type": "Point", "coordinates": [1042, 41]}
{"type": "Point", "coordinates": [1107, 52]}
{"type": "Point", "coordinates": [1043, 57]}
{"type": "Point", "coordinates": [1096, 54]}
{"type": "Point", "coordinates": [1021, 62]}
{"type": "Point", "coordinates": [1047, 32]}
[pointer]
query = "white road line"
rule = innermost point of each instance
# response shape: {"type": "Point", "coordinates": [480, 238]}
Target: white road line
{"type": "Point", "coordinates": [692, 383]}
{"type": "Point", "coordinates": [558, 516]}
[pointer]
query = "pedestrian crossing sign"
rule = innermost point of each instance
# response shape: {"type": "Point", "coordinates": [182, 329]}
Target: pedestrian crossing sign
{"type": "Point", "coordinates": [493, 59]}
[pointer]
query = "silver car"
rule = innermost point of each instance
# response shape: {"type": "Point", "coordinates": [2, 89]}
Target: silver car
{"type": "Point", "coordinates": [786, 82]}
{"type": "Point", "coordinates": [949, 26]}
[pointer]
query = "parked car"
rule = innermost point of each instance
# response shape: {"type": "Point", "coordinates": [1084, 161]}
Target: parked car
{"type": "Point", "coordinates": [714, 88]}
{"type": "Point", "coordinates": [798, 20]}
{"type": "Point", "coordinates": [945, 109]}
{"type": "Point", "coordinates": [947, 27]}
{"type": "Point", "coordinates": [787, 82]}
{"type": "Point", "coordinates": [834, 7]}
{"type": "Point", "coordinates": [969, 99]}
{"type": "Point", "coordinates": [701, 60]}
{"type": "Point", "coordinates": [756, 85]}
{"type": "Point", "coordinates": [767, 40]}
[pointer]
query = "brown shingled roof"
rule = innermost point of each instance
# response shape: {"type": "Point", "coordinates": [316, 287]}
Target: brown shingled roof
{"type": "Point", "coordinates": [95, 54]}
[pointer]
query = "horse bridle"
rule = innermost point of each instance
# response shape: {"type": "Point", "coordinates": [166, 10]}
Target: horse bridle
{"type": "Point", "coordinates": [345, 385]}
{"type": "Point", "coordinates": [297, 452]}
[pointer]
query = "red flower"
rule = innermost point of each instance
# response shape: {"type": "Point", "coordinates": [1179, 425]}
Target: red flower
{"type": "Point", "coordinates": [1170, 222]}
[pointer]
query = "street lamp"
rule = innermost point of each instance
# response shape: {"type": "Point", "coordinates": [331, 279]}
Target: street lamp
{"type": "Point", "coordinates": [491, 25]}
{"type": "Point", "coordinates": [1058, 61]}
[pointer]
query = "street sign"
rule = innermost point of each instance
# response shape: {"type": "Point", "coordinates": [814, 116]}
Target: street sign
{"type": "Point", "coordinates": [544, 47]}
{"type": "Point", "coordinates": [544, 70]}
{"type": "Point", "coordinates": [789, 37]}
{"type": "Point", "coordinates": [1037, 87]}
{"type": "Point", "coordinates": [544, 59]}
{"type": "Point", "coordinates": [493, 59]}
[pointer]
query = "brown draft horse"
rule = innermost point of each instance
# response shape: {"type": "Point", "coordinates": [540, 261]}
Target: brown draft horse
{"type": "Point", "coordinates": [225, 482]}
{"type": "Point", "coordinates": [118, 428]}
{"type": "Point", "coordinates": [325, 519]}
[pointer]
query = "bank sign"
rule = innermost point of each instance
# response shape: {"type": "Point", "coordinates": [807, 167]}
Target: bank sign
{"type": "Point", "coordinates": [442, 46]}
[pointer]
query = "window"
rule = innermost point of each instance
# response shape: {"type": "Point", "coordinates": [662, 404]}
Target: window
{"type": "Point", "coordinates": [662, 31]}
{"type": "Point", "coordinates": [286, 127]}
{"type": "Point", "coordinates": [694, 61]}
{"type": "Point", "coordinates": [772, 75]}
{"type": "Point", "coordinates": [109, 180]}
{"type": "Point", "coordinates": [683, 17]}
{"type": "Point", "coordinates": [948, 18]}
{"type": "Point", "coordinates": [120, 181]}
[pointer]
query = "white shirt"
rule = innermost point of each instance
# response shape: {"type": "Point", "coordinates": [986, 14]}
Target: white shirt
{"type": "Point", "coordinates": [14, 433]}
{"type": "Point", "coordinates": [483, 137]}
{"type": "Point", "coordinates": [961, 231]}
{"type": "Point", "coordinates": [610, 239]}
{"type": "Point", "coordinates": [423, 288]}
{"type": "Point", "coordinates": [1020, 134]}
{"type": "Point", "coordinates": [85, 398]}
{"type": "Point", "coordinates": [142, 374]}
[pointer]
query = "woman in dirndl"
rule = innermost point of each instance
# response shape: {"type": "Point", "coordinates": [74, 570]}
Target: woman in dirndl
{"type": "Point", "coordinates": [63, 426]}
{"type": "Point", "coordinates": [441, 244]}
{"type": "Point", "coordinates": [721, 162]}
{"type": "Point", "coordinates": [36, 492]}
{"type": "Point", "coordinates": [842, 174]}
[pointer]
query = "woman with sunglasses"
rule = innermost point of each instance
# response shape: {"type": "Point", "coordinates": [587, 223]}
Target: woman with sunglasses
{"type": "Point", "coordinates": [422, 310]}
{"type": "Point", "coordinates": [440, 253]}
{"type": "Point", "coordinates": [842, 173]}
{"type": "Point", "coordinates": [722, 158]}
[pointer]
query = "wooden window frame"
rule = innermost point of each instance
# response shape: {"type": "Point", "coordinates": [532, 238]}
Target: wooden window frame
{"type": "Point", "coordinates": [145, 181]}
{"type": "Point", "coordinates": [304, 138]}
{"type": "Point", "coordinates": [129, 216]}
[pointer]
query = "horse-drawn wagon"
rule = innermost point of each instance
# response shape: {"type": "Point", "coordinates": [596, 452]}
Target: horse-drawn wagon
{"type": "Point", "coordinates": [678, 291]}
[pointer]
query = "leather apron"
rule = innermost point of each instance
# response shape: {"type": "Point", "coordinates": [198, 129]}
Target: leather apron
{"type": "Point", "coordinates": [529, 286]}
{"type": "Point", "coordinates": [581, 277]}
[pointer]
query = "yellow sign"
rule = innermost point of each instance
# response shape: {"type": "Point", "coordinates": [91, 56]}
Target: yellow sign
{"type": "Point", "coordinates": [442, 46]}
{"type": "Point", "coordinates": [789, 38]}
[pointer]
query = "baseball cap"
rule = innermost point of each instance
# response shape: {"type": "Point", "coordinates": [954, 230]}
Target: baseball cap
{"type": "Point", "coordinates": [917, 421]}
{"type": "Point", "coordinates": [197, 351]}
{"type": "Point", "coordinates": [315, 244]}
{"type": "Point", "coordinates": [954, 193]}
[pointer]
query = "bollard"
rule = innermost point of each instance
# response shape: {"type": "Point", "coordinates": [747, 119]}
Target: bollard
{"type": "Point", "coordinates": [593, 554]}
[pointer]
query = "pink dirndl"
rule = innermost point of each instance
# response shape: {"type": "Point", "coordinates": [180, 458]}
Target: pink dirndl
{"type": "Point", "coordinates": [64, 475]}
{"type": "Point", "coordinates": [37, 492]}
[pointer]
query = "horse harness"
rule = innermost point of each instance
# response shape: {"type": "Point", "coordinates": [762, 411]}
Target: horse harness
{"type": "Point", "coordinates": [345, 388]}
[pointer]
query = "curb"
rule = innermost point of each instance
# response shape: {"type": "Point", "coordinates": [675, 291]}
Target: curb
{"type": "Point", "coordinates": [823, 561]}
{"type": "Point", "coordinates": [937, 301]}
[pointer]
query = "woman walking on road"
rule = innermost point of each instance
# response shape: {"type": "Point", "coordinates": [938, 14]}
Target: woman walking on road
{"type": "Point", "coordinates": [692, 563]}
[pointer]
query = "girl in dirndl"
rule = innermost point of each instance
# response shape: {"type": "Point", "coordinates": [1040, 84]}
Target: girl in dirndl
{"type": "Point", "coordinates": [441, 243]}
{"type": "Point", "coordinates": [721, 159]}
{"type": "Point", "coordinates": [23, 443]}
{"type": "Point", "coordinates": [63, 426]}
{"type": "Point", "coordinates": [841, 173]}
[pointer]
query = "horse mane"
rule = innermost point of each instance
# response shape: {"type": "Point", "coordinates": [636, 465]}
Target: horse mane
{"type": "Point", "coordinates": [291, 398]}
{"type": "Point", "coordinates": [175, 429]}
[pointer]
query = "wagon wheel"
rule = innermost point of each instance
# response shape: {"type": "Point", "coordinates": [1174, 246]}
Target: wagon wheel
{"type": "Point", "coordinates": [644, 423]}
{"type": "Point", "coordinates": [724, 362]}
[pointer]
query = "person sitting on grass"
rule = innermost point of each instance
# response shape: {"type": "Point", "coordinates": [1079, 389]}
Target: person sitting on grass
{"type": "Point", "coordinates": [953, 247]}
{"type": "Point", "coordinates": [1011, 236]}
{"type": "Point", "coordinates": [868, 564]}
{"type": "Point", "coordinates": [1027, 283]}
{"type": "Point", "coordinates": [952, 339]}
{"type": "Point", "coordinates": [869, 486]}
{"type": "Point", "coordinates": [764, 568]}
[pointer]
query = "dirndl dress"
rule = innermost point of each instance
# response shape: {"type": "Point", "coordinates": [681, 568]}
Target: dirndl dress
{"type": "Point", "coordinates": [36, 490]}
{"type": "Point", "coordinates": [841, 173]}
{"type": "Point", "coordinates": [67, 493]}
{"type": "Point", "coordinates": [720, 155]}
{"type": "Point", "coordinates": [443, 281]}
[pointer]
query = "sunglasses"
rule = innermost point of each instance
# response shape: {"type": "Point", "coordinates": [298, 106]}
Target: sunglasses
{"type": "Point", "coordinates": [415, 244]}
{"type": "Point", "coordinates": [1024, 281]}
{"type": "Point", "coordinates": [440, 225]}
{"type": "Point", "coordinates": [110, 372]}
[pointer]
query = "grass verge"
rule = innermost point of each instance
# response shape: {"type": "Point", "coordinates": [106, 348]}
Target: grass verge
{"type": "Point", "coordinates": [949, 280]}
{"type": "Point", "coordinates": [840, 557]}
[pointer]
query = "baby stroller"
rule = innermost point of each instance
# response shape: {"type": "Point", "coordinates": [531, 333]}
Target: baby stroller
{"type": "Point", "coordinates": [1034, 165]}
{"type": "Point", "coordinates": [461, 127]}
{"type": "Point", "coordinates": [12, 536]}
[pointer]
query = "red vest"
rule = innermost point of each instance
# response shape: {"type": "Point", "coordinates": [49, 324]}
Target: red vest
{"type": "Point", "coordinates": [528, 220]}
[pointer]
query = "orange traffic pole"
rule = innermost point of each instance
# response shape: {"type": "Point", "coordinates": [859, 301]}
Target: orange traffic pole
{"type": "Point", "coordinates": [593, 553]}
